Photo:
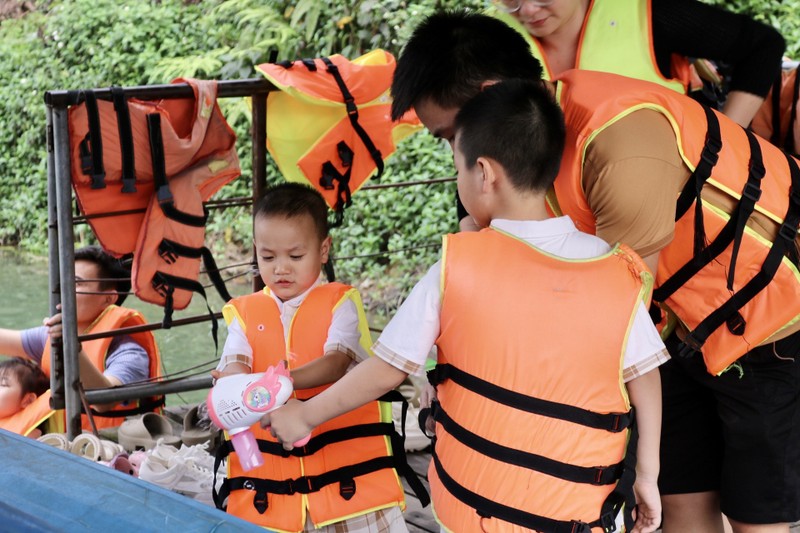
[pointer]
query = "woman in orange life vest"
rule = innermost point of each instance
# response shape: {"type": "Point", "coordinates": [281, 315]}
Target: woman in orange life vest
{"type": "Point", "coordinates": [727, 439]}
{"type": "Point", "coordinates": [22, 383]}
{"type": "Point", "coordinates": [319, 329]}
{"type": "Point", "coordinates": [124, 359]}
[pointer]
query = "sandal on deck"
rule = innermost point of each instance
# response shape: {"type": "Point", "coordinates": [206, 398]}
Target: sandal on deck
{"type": "Point", "coordinates": [196, 427]}
{"type": "Point", "coordinates": [142, 432]}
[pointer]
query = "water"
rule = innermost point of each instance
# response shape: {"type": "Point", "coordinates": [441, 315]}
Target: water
{"type": "Point", "coordinates": [24, 303]}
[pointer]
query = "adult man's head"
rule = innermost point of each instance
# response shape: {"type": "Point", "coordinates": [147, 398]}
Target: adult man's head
{"type": "Point", "coordinates": [100, 280]}
{"type": "Point", "coordinates": [448, 60]}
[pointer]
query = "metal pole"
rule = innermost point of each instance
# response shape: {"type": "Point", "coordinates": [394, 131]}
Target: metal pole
{"type": "Point", "coordinates": [56, 353]}
{"type": "Point", "coordinates": [144, 390]}
{"type": "Point", "coordinates": [259, 151]}
{"type": "Point", "coordinates": [66, 250]}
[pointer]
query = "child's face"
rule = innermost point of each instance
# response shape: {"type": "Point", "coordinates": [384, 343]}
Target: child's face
{"type": "Point", "coordinates": [290, 253]}
{"type": "Point", "coordinates": [11, 397]}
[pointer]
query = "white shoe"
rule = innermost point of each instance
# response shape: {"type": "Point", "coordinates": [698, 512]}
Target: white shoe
{"type": "Point", "coordinates": [415, 439]}
{"type": "Point", "coordinates": [167, 455]}
{"type": "Point", "coordinates": [182, 476]}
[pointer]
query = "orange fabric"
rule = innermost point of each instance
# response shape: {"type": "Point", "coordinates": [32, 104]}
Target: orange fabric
{"type": "Point", "coordinates": [762, 122]}
{"type": "Point", "coordinates": [528, 347]}
{"type": "Point", "coordinates": [26, 420]}
{"type": "Point", "coordinates": [112, 318]}
{"type": "Point", "coordinates": [193, 129]}
{"type": "Point", "coordinates": [588, 111]}
{"type": "Point", "coordinates": [306, 341]}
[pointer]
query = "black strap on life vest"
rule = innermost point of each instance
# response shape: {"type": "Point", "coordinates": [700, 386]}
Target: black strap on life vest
{"type": "Point", "coordinates": [598, 475]}
{"type": "Point", "coordinates": [622, 495]}
{"type": "Point", "coordinates": [613, 422]}
{"type": "Point", "coordinates": [731, 233]}
{"type": "Point", "coordinates": [125, 139]}
{"type": "Point", "coordinates": [345, 476]}
{"type": "Point", "coordinates": [784, 241]}
{"type": "Point", "coordinates": [691, 192]}
{"type": "Point", "coordinates": [91, 148]}
{"type": "Point", "coordinates": [333, 179]}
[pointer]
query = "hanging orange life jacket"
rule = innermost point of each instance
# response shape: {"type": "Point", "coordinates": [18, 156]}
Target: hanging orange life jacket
{"type": "Point", "coordinates": [534, 430]}
{"type": "Point", "coordinates": [167, 157]}
{"type": "Point", "coordinates": [330, 124]}
{"type": "Point", "coordinates": [29, 418]}
{"type": "Point", "coordinates": [115, 317]}
{"type": "Point", "coordinates": [348, 467]}
{"type": "Point", "coordinates": [730, 286]}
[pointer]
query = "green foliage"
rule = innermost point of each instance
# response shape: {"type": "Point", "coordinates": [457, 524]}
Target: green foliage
{"type": "Point", "coordinates": [73, 44]}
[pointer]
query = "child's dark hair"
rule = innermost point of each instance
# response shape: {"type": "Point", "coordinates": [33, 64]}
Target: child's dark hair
{"type": "Point", "coordinates": [294, 199]}
{"type": "Point", "coordinates": [451, 54]}
{"type": "Point", "coordinates": [114, 275]}
{"type": "Point", "coordinates": [29, 374]}
{"type": "Point", "coordinates": [518, 124]}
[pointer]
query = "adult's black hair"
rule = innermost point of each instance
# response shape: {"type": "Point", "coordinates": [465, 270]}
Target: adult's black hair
{"type": "Point", "coordinates": [112, 272]}
{"type": "Point", "coordinates": [30, 376]}
{"type": "Point", "coordinates": [518, 124]}
{"type": "Point", "coordinates": [294, 199]}
{"type": "Point", "coordinates": [450, 54]}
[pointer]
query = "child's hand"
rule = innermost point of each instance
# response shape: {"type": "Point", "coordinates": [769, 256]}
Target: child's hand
{"type": "Point", "coordinates": [230, 370]}
{"type": "Point", "coordinates": [287, 423]}
{"type": "Point", "coordinates": [648, 506]}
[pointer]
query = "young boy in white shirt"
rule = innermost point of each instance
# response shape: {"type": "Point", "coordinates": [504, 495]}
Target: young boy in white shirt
{"type": "Point", "coordinates": [543, 342]}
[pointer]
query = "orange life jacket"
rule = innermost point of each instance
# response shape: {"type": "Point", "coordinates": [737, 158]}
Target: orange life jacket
{"type": "Point", "coordinates": [151, 165]}
{"type": "Point", "coordinates": [29, 418]}
{"type": "Point", "coordinates": [533, 420]}
{"type": "Point", "coordinates": [115, 317]}
{"type": "Point", "coordinates": [617, 37]}
{"type": "Point", "coordinates": [347, 469]}
{"type": "Point", "coordinates": [330, 124]}
{"type": "Point", "coordinates": [731, 287]}
{"type": "Point", "coordinates": [776, 119]}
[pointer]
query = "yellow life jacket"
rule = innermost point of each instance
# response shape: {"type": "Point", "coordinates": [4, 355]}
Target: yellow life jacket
{"type": "Point", "coordinates": [115, 317]}
{"type": "Point", "coordinates": [731, 287]}
{"type": "Point", "coordinates": [350, 466]}
{"type": "Point", "coordinates": [533, 421]}
{"type": "Point", "coordinates": [330, 124]}
{"type": "Point", "coordinates": [616, 37]}
{"type": "Point", "coordinates": [151, 165]}
{"type": "Point", "coordinates": [32, 416]}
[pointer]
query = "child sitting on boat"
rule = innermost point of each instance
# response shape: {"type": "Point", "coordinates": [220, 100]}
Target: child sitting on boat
{"type": "Point", "coordinates": [544, 345]}
{"type": "Point", "coordinates": [23, 402]}
{"type": "Point", "coordinates": [345, 478]}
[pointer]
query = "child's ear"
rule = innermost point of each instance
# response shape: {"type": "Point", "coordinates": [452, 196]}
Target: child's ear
{"type": "Point", "coordinates": [488, 171]}
{"type": "Point", "coordinates": [27, 399]}
{"type": "Point", "coordinates": [325, 248]}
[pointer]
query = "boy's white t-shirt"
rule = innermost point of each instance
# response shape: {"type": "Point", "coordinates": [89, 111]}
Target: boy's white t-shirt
{"type": "Point", "coordinates": [409, 337]}
{"type": "Point", "coordinates": [343, 333]}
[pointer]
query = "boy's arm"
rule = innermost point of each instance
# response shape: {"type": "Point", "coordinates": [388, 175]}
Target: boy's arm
{"type": "Point", "coordinates": [11, 343]}
{"type": "Point", "coordinates": [368, 381]}
{"type": "Point", "coordinates": [645, 395]}
{"type": "Point", "coordinates": [327, 369]}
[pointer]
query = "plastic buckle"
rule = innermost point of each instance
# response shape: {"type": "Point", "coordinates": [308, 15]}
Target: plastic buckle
{"type": "Point", "coordinates": [99, 181]}
{"type": "Point", "coordinates": [164, 195]}
{"type": "Point", "coordinates": [709, 156]}
{"type": "Point", "coordinates": [598, 475]}
{"type": "Point", "coordinates": [736, 324]}
{"type": "Point", "coordinates": [352, 110]}
{"type": "Point", "coordinates": [167, 253]}
{"type": "Point", "coordinates": [689, 347]}
{"type": "Point", "coordinates": [260, 501]}
{"type": "Point", "coordinates": [713, 144]}
{"type": "Point", "coordinates": [347, 489]}
{"type": "Point", "coordinates": [752, 191]}
{"type": "Point", "coordinates": [608, 523]}
{"type": "Point", "coordinates": [757, 169]}
{"type": "Point", "coordinates": [580, 527]}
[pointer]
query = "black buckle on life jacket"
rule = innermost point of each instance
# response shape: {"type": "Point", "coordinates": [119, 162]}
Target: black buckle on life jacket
{"type": "Point", "coordinates": [580, 527]}
{"type": "Point", "coordinates": [689, 347]}
{"type": "Point", "coordinates": [347, 488]}
{"type": "Point", "coordinates": [787, 232]}
{"type": "Point", "coordinates": [736, 324]}
{"type": "Point", "coordinates": [710, 153]}
{"type": "Point", "coordinates": [752, 191]}
{"type": "Point", "coordinates": [608, 522]}
{"type": "Point", "coordinates": [167, 252]}
{"type": "Point", "coordinates": [164, 195]}
{"type": "Point", "coordinates": [260, 499]}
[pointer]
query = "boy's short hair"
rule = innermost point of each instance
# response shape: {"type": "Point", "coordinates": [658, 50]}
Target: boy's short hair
{"type": "Point", "coordinates": [29, 375]}
{"type": "Point", "coordinates": [294, 199]}
{"type": "Point", "coordinates": [518, 124]}
{"type": "Point", "coordinates": [112, 271]}
{"type": "Point", "coordinates": [451, 54]}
